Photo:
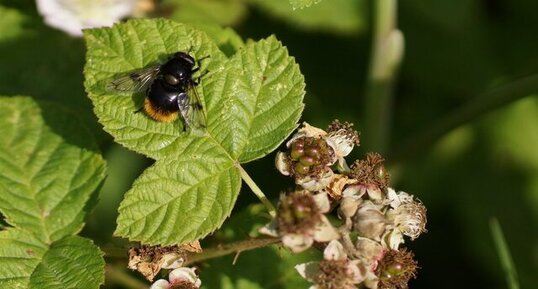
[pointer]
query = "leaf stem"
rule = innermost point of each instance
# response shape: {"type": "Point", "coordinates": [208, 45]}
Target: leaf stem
{"type": "Point", "coordinates": [225, 249]}
{"type": "Point", "coordinates": [504, 254]}
{"type": "Point", "coordinates": [387, 52]}
{"type": "Point", "coordinates": [484, 103]}
{"type": "Point", "coordinates": [257, 191]}
{"type": "Point", "coordinates": [118, 276]}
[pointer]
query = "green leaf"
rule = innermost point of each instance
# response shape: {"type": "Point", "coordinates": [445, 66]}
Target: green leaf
{"type": "Point", "coordinates": [50, 168]}
{"type": "Point", "coordinates": [181, 199]}
{"type": "Point", "coordinates": [300, 4]}
{"type": "Point", "coordinates": [73, 262]}
{"type": "Point", "coordinates": [344, 16]}
{"type": "Point", "coordinates": [257, 100]}
{"type": "Point", "coordinates": [26, 262]}
{"type": "Point", "coordinates": [221, 12]}
{"type": "Point", "coordinates": [252, 101]}
{"type": "Point", "coordinates": [20, 254]}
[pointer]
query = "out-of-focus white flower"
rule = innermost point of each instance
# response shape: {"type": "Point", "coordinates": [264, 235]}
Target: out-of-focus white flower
{"type": "Point", "coordinates": [301, 221]}
{"type": "Point", "coordinates": [334, 271]}
{"type": "Point", "coordinates": [72, 16]}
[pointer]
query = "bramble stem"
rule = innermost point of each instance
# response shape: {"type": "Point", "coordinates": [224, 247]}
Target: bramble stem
{"type": "Point", "coordinates": [225, 249]}
{"type": "Point", "coordinates": [257, 191]}
{"type": "Point", "coordinates": [387, 52]}
{"type": "Point", "coordinates": [119, 276]}
{"type": "Point", "coordinates": [484, 103]}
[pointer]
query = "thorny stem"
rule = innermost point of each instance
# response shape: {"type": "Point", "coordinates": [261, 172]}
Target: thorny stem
{"type": "Point", "coordinates": [257, 191]}
{"type": "Point", "coordinates": [118, 276]}
{"type": "Point", "coordinates": [225, 249]}
{"type": "Point", "coordinates": [387, 52]}
{"type": "Point", "coordinates": [474, 108]}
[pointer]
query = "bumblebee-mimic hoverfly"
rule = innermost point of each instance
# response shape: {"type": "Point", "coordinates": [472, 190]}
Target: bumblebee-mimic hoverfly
{"type": "Point", "coordinates": [169, 89]}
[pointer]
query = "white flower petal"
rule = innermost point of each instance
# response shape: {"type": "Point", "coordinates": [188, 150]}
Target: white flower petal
{"type": "Point", "coordinates": [369, 249]}
{"type": "Point", "coordinates": [270, 229]}
{"type": "Point", "coordinates": [308, 270]}
{"type": "Point", "coordinates": [322, 200]}
{"type": "Point", "coordinates": [160, 284]}
{"type": "Point", "coordinates": [334, 251]}
{"type": "Point", "coordinates": [324, 231]}
{"type": "Point", "coordinates": [184, 274]}
{"type": "Point", "coordinates": [171, 261]}
{"type": "Point", "coordinates": [392, 239]}
{"type": "Point", "coordinates": [315, 184]}
{"type": "Point", "coordinates": [281, 163]}
{"type": "Point", "coordinates": [297, 242]}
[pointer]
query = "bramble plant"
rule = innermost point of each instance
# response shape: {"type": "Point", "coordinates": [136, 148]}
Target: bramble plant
{"type": "Point", "coordinates": [253, 100]}
{"type": "Point", "coordinates": [258, 180]}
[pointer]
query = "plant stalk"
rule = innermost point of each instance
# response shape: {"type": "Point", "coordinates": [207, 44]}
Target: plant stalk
{"type": "Point", "coordinates": [225, 249]}
{"type": "Point", "coordinates": [387, 52]}
{"type": "Point", "coordinates": [257, 191]}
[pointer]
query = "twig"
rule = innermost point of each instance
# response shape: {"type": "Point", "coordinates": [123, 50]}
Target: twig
{"type": "Point", "coordinates": [257, 191]}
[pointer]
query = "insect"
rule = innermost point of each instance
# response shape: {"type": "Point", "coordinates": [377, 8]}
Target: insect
{"type": "Point", "coordinates": [169, 89]}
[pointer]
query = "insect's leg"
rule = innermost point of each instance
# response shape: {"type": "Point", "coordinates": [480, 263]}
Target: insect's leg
{"type": "Point", "coordinates": [139, 110]}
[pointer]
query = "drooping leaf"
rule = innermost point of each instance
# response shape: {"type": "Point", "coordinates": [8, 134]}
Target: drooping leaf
{"type": "Point", "coordinates": [50, 168]}
{"type": "Point", "coordinates": [252, 102]}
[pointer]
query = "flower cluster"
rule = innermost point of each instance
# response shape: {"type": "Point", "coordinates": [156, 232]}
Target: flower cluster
{"type": "Point", "coordinates": [363, 245]}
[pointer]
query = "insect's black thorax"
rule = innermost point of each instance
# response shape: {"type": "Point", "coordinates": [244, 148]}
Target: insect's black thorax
{"type": "Point", "coordinates": [163, 95]}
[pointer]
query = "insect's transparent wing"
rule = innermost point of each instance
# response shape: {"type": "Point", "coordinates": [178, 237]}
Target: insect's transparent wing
{"type": "Point", "coordinates": [135, 81]}
{"type": "Point", "coordinates": [191, 108]}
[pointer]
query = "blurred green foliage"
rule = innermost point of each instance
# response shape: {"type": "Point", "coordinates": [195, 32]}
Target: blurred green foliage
{"type": "Point", "coordinates": [455, 51]}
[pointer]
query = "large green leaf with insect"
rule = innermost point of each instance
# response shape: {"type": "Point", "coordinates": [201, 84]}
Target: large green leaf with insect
{"type": "Point", "coordinates": [252, 101]}
{"type": "Point", "coordinates": [50, 169]}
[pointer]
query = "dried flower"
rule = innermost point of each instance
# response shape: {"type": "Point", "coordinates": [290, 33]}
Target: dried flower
{"type": "Point", "coordinates": [371, 176]}
{"type": "Point", "coordinates": [300, 221]}
{"type": "Point", "coordinates": [149, 260]}
{"type": "Point", "coordinates": [335, 271]}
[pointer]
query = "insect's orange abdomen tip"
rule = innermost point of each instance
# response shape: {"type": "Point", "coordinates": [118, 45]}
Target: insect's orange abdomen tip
{"type": "Point", "coordinates": [158, 115]}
